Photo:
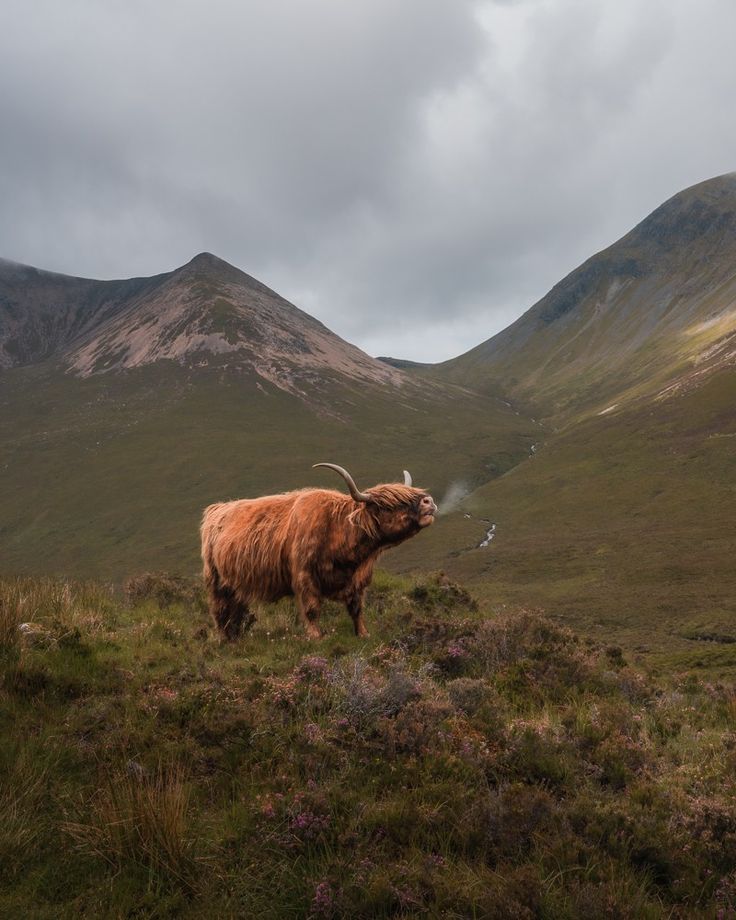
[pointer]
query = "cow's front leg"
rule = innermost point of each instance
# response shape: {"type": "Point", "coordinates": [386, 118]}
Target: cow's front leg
{"type": "Point", "coordinates": [355, 608]}
{"type": "Point", "coordinates": [308, 603]}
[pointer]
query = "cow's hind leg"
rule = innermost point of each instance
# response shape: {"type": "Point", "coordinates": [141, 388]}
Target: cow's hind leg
{"type": "Point", "coordinates": [232, 617]}
{"type": "Point", "coordinates": [308, 603]}
{"type": "Point", "coordinates": [230, 614]}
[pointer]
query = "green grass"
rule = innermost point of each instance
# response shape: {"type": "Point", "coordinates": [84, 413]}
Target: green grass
{"type": "Point", "coordinates": [109, 475]}
{"type": "Point", "coordinates": [466, 761]}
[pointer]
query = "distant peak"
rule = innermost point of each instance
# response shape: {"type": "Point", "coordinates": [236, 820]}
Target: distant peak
{"type": "Point", "coordinates": [207, 260]}
{"type": "Point", "coordinates": [205, 263]}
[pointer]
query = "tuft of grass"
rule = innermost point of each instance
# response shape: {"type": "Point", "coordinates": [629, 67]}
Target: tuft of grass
{"type": "Point", "coordinates": [23, 823]}
{"type": "Point", "coordinates": [11, 615]}
{"type": "Point", "coordinates": [141, 819]}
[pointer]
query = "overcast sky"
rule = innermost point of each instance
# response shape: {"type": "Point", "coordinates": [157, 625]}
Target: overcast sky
{"type": "Point", "coordinates": [415, 173]}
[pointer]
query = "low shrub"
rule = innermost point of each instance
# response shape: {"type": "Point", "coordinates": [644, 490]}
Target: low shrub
{"type": "Point", "coordinates": [363, 693]}
{"type": "Point", "coordinates": [468, 694]}
{"type": "Point", "coordinates": [439, 593]}
{"type": "Point", "coordinates": [421, 726]}
{"type": "Point", "coordinates": [166, 590]}
{"type": "Point", "coordinates": [465, 766]}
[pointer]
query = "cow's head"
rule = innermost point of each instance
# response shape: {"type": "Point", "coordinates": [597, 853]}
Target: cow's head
{"type": "Point", "coordinates": [393, 511]}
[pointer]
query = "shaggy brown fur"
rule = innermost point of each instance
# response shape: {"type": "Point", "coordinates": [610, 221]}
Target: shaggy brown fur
{"type": "Point", "coordinates": [312, 544]}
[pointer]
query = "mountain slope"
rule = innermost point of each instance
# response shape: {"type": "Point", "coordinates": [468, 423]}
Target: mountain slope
{"type": "Point", "coordinates": [653, 312]}
{"type": "Point", "coordinates": [43, 313]}
{"type": "Point", "coordinates": [623, 525]}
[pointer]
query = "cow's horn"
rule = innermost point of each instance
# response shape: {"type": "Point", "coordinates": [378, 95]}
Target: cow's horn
{"type": "Point", "coordinates": [358, 496]}
{"type": "Point", "coordinates": [407, 478]}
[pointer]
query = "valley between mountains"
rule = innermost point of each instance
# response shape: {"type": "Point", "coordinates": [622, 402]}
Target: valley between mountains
{"type": "Point", "coordinates": [597, 433]}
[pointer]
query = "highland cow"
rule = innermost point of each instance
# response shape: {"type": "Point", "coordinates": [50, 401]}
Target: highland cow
{"type": "Point", "coordinates": [311, 544]}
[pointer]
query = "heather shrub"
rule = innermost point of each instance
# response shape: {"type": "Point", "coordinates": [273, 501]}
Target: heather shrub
{"type": "Point", "coordinates": [313, 668]}
{"type": "Point", "coordinates": [324, 902]}
{"type": "Point", "coordinates": [165, 590]}
{"type": "Point", "coordinates": [362, 693]}
{"type": "Point", "coordinates": [609, 737]}
{"type": "Point", "coordinates": [637, 836]}
{"type": "Point", "coordinates": [296, 820]}
{"type": "Point", "coordinates": [725, 897]}
{"type": "Point", "coordinates": [468, 694]}
{"type": "Point", "coordinates": [438, 593]}
{"type": "Point", "coordinates": [620, 758]}
{"type": "Point", "coordinates": [525, 634]}
{"type": "Point", "coordinates": [356, 690]}
{"type": "Point", "coordinates": [534, 751]}
{"type": "Point", "coordinates": [527, 656]}
{"type": "Point", "coordinates": [419, 727]}
{"type": "Point", "coordinates": [400, 688]}
{"type": "Point", "coordinates": [427, 633]}
{"type": "Point", "coordinates": [711, 824]}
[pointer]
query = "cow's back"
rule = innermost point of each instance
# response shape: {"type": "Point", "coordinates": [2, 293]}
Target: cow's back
{"type": "Point", "coordinates": [246, 543]}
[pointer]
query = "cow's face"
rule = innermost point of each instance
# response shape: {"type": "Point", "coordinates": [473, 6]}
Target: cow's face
{"type": "Point", "coordinates": [425, 510]}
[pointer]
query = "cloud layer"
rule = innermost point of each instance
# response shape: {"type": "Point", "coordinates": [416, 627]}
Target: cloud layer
{"type": "Point", "coordinates": [414, 174]}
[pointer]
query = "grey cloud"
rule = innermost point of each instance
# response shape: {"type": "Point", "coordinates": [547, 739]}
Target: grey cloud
{"type": "Point", "coordinates": [415, 174]}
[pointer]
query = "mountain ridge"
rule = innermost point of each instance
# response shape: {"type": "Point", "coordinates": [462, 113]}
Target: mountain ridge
{"type": "Point", "coordinates": [204, 312]}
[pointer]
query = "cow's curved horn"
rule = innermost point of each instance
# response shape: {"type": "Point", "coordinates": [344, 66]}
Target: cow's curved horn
{"type": "Point", "coordinates": [407, 478]}
{"type": "Point", "coordinates": [358, 496]}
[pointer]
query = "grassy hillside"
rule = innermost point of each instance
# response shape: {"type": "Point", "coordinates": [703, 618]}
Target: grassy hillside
{"type": "Point", "coordinates": [624, 525]}
{"type": "Point", "coordinates": [109, 474]}
{"type": "Point", "coordinates": [461, 763]}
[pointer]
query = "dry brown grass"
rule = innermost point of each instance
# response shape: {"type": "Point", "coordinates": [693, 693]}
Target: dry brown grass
{"type": "Point", "coordinates": [11, 614]}
{"type": "Point", "coordinates": [141, 818]}
{"type": "Point", "coordinates": [21, 823]}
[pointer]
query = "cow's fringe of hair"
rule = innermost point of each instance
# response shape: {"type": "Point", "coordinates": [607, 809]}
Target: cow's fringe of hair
{"type": "Point", "coordinates": [386, 497]}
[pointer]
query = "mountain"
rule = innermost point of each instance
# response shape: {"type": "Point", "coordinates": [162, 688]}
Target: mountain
{"type": "Point", "coordinates": [205, 313]}
{"type": "Point", "coordinates": [651, 314]}
{"type": "Point", "coordinates": [622, 520]}
{"type": "Point", "coordinates": [127, 406]}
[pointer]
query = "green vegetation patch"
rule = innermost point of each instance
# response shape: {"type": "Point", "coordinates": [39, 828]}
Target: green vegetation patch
{"type": "Point", "coordinates": [465, 761]}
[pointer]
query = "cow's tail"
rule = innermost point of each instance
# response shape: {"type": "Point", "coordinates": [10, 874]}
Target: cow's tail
{"type": "Point", "coordinates": [208, 532]}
